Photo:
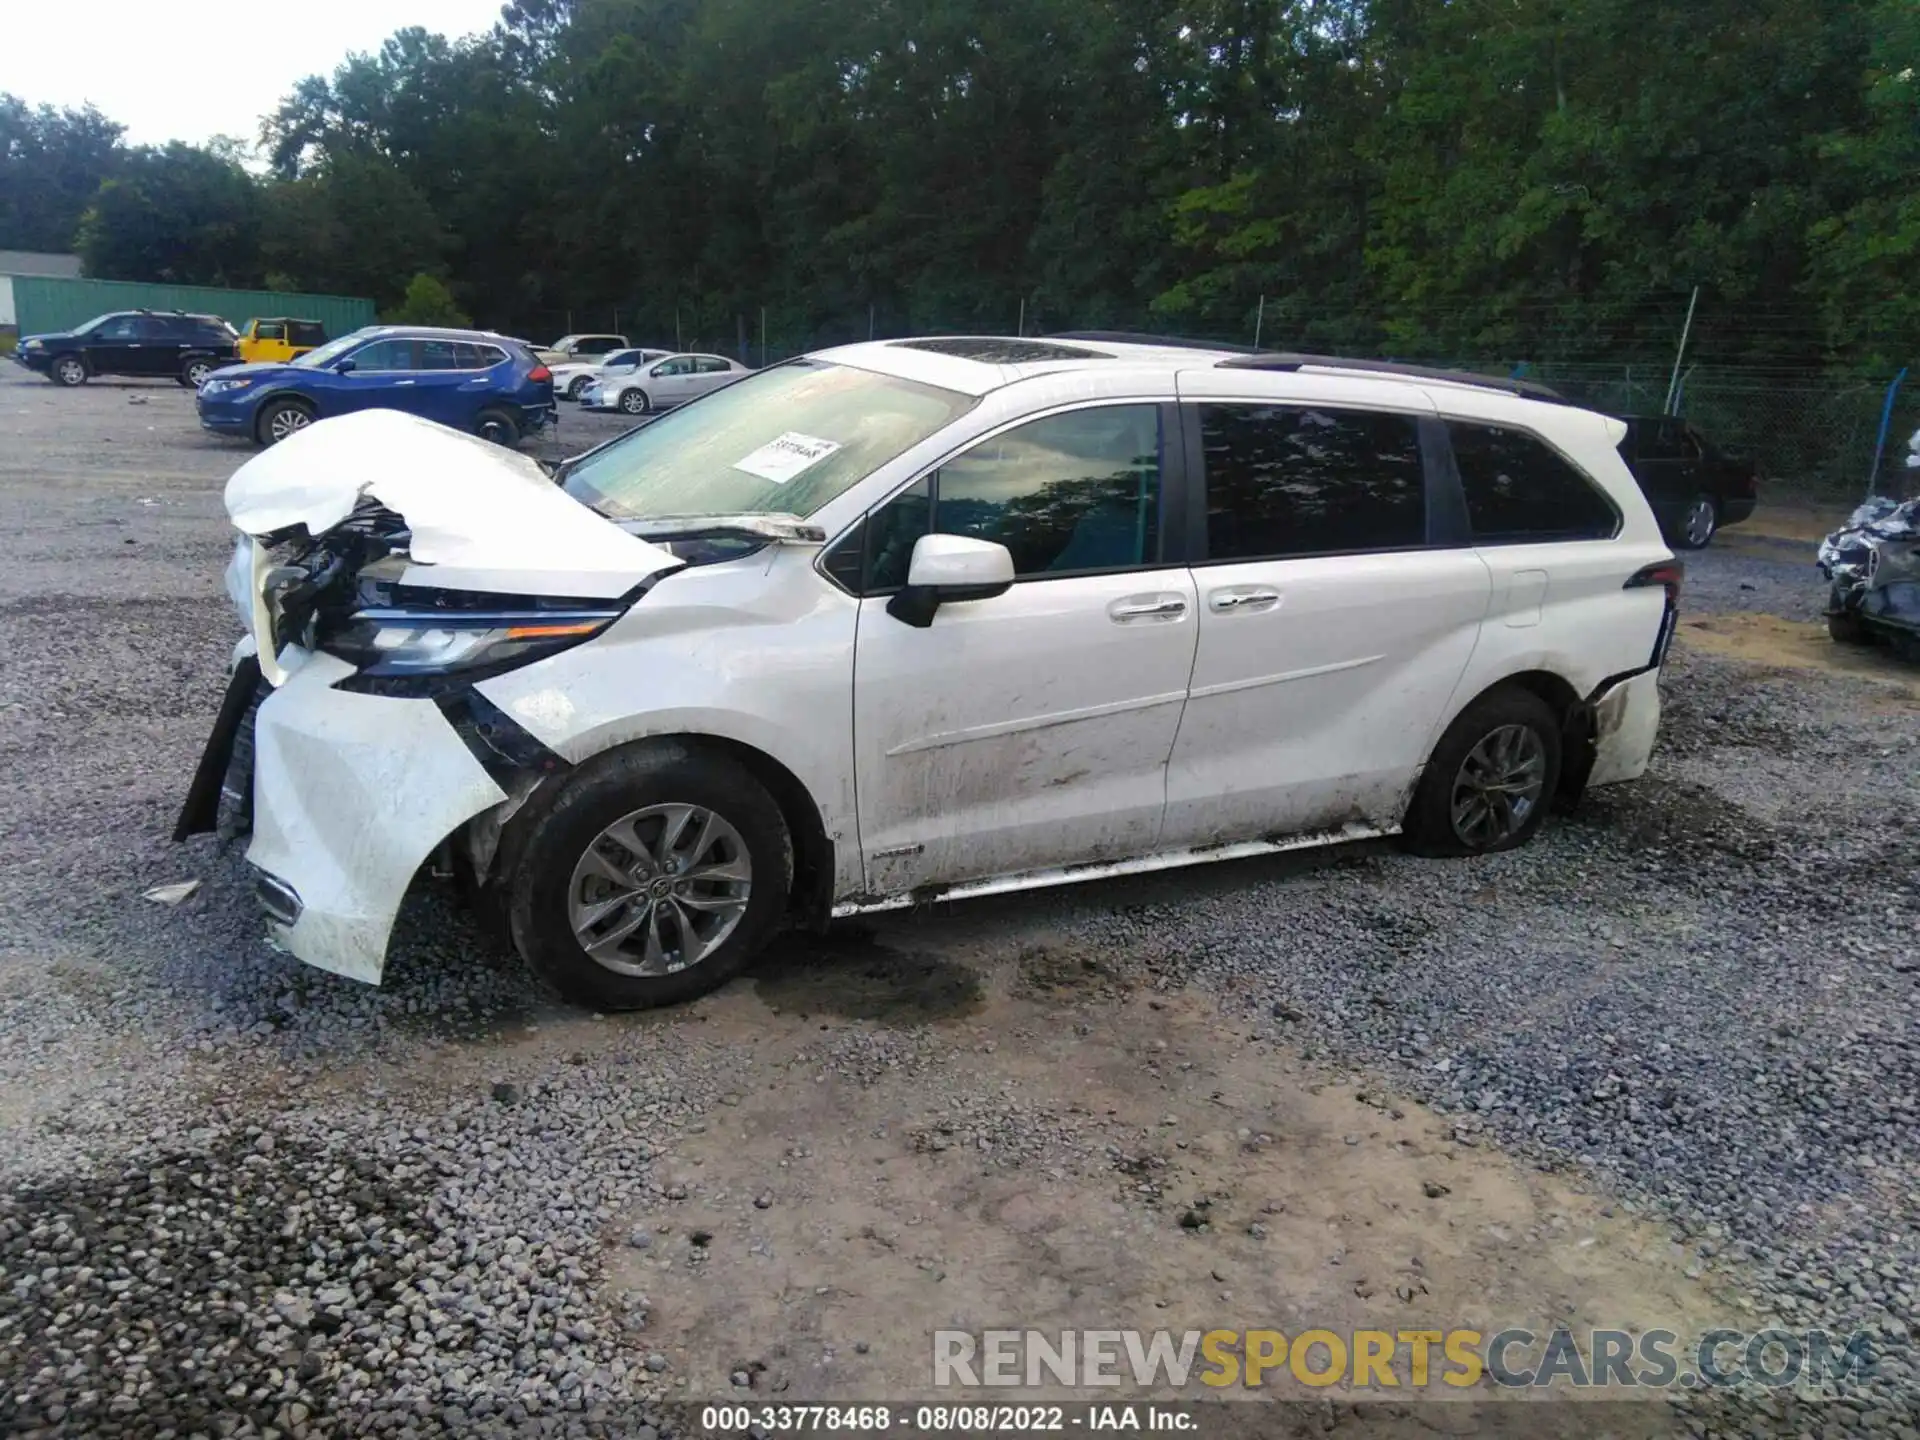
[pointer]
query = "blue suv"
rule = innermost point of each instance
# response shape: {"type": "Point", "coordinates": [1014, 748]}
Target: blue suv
{"type": "Point", "coordinates": [482, 383]}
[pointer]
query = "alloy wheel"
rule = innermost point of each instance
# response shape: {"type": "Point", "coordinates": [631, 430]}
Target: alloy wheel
{"type": "Point", "coordinates": [70, 371]}
{"type": "Point", "coordinates": [286, 420]}
{"type": "Point", "coordinates": [659, 890]}
{"type": "Point", "coordinates": [1699, 523]}
{"type": "Point", "coordinates": [197, 373]}
{"type": "Point", "coordinates": [1498, 786]}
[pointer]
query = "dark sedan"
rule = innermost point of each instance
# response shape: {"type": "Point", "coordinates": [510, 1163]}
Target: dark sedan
{"type": "Point", "coordinates": [1694, 488]}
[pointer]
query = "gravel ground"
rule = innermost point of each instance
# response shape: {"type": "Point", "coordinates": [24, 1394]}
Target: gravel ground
{"type": "Point", "coordinates": [247, 1197]}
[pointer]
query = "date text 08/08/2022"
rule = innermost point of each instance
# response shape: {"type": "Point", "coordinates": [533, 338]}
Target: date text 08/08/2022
{"type": "Point", "coordinates": [1123, 1419]}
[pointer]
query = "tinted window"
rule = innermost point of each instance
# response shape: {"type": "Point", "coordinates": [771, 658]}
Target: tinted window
{"type": "Point", "coordinates": [269, 330]}
{"type": "Point", "coordinates": [307, 332]}
{"type": "Point", "coordinates": [1298, 480]}
{"type": "Point", "coordinates": [623, 357]}
{"type": "Point", "coordinates": [1070, 493]}
{"type": "Point", "coordinates": [209, 332]}
{"type": "Point", "coordinates": [444, 355]}
{"type": "Point", "coordinates": [384, 355]}
{"type": "Point", "coordinates": [1520, 489]}
{"type": "Point", "coordinates": [120, 327]}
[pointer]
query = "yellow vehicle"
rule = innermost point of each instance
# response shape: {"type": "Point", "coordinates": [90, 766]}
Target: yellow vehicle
{"type": "Point", "coordinates": [279, 339]}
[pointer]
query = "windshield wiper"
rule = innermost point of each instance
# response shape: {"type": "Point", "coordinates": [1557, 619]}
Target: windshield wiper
{"type": "Point", "coordinates": [790, 529]}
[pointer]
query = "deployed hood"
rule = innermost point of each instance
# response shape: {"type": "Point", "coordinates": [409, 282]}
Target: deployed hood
{"type": "Point", "coordinates": [481, 517]}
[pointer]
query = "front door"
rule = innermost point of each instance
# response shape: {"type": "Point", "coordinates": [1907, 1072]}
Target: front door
{"type": "Point", "coordinates": [383, 375]}
{"type": "Point", "coordinates": [1332, 631]}
{"type": "Point", "coordinates": [670, 382]}
{"type": "Point", "coordinates": [1030, 730]}
{"type": "Point", "coordinates": [122, 346]}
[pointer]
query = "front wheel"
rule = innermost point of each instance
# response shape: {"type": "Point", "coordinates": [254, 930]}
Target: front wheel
{"type": "Point", "coordinates": [280, 419]}
{"type": "Point", "coordinates": [499, 427]}
{"type": "Point", "coordinates": [575, 386]}
{"type": "Point", "coordinates": [1490, 780]}
{"type": "Point", "coordinates": [1845, 627]}
{"type": "Point", "coordinates": [634, 402]}
{"type": "Point", "coordinates": [195, 372]}
{"type": "Point", "coordinates": [69, 370]}
{"type": "Point", "coordinates": [655, 876]}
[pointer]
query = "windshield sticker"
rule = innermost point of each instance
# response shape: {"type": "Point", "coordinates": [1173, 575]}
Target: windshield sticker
{"type": "Point", "coordinates": [786, 456]}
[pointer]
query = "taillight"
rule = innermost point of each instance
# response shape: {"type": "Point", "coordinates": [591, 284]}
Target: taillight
{"type": "Point", "coordinates": [1667, 574]}
{"type": "Point", "coordinates": [539, 373]}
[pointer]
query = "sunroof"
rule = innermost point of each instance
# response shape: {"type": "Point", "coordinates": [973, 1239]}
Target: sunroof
{"type": "Point", "coordinates": [997, 350]}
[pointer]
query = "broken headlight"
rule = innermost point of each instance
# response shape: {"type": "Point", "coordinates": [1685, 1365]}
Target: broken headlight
{"type": "Point", "coordinates": [399, 643]}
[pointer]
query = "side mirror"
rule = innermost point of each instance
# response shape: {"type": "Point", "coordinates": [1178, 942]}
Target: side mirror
{"type": "Point", "coordinates": [950, 570]}
{"type": "Point", "coordinates": [344, 367]}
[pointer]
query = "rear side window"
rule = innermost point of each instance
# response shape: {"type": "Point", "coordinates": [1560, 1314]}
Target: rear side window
{"type": "Point", "coordinates": [479, 357]}
{"type": "Point", "coordinates": [1295, 480]}
{"type": "Point", "coordinates": [270, 330]}
{"type": "Point", "coordinates": [441, 355]}
{"type": "Point", "coordinates": [709, 365]}
{"type": "Point", "coordinates": [307, 332]}
{"type": "Point", "coordinates": [1521, 490]}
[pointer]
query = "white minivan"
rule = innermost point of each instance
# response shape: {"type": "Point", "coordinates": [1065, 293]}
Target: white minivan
{"type": "Point", "coordinates": [915, 620]}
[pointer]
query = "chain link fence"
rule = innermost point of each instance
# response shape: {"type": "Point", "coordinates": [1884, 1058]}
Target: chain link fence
{"type": "Point", "coordinates": [1812, 432]}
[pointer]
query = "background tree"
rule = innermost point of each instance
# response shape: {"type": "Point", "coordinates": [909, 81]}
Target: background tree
{"type": "Point", "coordinates": [428, 302]}
{"type": "Point", "coordinates": [177, 214]}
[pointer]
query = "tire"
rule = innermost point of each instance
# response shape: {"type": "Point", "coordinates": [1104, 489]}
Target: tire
{"type": "Point", "coordinates": [561, 877]}
{"type": "Point", "coordinates": [497, 426]}
{"type": "Point", "coordinates": [1845, 627]}
{"type": "Point", "coordinates": [635, 402]}
{"type": "Point", "coordinates": [281, 418]}
{"type": "Point", "coordinates": [1697, 524]}
{"type": "Point", "coordinates": [1498, 732]}
{"type": "Point", "coordinates": [68, 370]}
{"type": "Point", "coordinates": [194, 373]}
{"type": "Point", "coordinates": [575, 386]}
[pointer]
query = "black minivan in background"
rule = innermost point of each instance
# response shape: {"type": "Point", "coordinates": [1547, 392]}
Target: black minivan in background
{"type": "Point", "coordinates": [161, 344]}
{"type": "Point", "coordinates": [1693, 488]}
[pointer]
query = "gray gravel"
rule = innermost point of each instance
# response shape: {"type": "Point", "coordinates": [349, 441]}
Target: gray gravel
{"type": "Point", "coordinates": [1698, 993]}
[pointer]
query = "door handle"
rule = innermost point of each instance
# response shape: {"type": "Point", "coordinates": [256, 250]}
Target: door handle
{"type": "Point", "coordinates": [1239, 599]}
{"type": "Point", "coordinates": [403, 382]}
{"type": "Point", "coordinates": [1130, 608]}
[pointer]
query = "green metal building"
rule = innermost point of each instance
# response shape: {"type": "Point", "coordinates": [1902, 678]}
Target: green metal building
{"type": "Point", "coordinates": [43, 303]}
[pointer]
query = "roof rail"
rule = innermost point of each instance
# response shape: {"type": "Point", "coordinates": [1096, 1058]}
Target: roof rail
{"type": "Point", "coordinates": [1172, 342]}
{"type": "Point", "coordinates": [1526, 389]}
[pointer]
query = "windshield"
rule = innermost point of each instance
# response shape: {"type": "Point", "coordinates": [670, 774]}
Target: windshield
{"type": "Point", "coordinates": [96, 322]}
{"type": "Point", "coordinates": [784, 441]}
{"type": "Point", "coordinates": [328, 353]}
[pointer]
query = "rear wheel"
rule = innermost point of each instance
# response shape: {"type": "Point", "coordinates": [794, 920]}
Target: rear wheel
{"type": "Point", "coordinates": [195, 372]}
{"type": "Point", "coordinates": [68, 370]}
{"type": "Point", "coordinates": [1697, 523]}
{"type": "Point", "coordinates": [281, 418]}
{"type": "Point", "coordinates": [1491, 778]}
{"type": "Point", "coordinates": [635, 402]}
{"type": "Point", "coordinates": [656, 876]}
{"type": "Point", "coordinates": [499, 427]}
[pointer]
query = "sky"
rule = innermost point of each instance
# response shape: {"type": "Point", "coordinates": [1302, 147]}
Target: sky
{"type": "Point", "coordinates": [193, 71]}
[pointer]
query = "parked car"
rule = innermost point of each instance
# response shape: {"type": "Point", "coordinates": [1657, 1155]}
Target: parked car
{"type": "Point", "coordinates": [469, 379]}
{"type": "Point", "coordinates": [570, 381]}
{"type": "Point", "coordinates": [279, 339]}
{"type": "Point", "coordinates": [915, 620]}
{"type": "Point", "coordinates": [569, 348]}
{"type": "Point", "coordinates": [1694, 488]}
{"type": "Point", "coordinates": [662, 385]}
{"type": "Point", "coordinates": [157, 343]}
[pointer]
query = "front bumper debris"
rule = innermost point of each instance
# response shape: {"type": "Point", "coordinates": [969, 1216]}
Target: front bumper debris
{"type": "Point", "coordinates": [352, 793]}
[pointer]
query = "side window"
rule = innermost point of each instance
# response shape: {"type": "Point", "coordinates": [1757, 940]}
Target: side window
{"type": "Point", "coordinates": [474, 356]}
{"type": "Point", "coordinates": [1294, 480]}
{"type": "Point", "coordinates": [442, 355]}
{"type": "Point", "coordinates": [1521, 490]}
{"type": "Point", "coordinates": [622, 360]}
{"type": "Point", "coordinates": [384, 355]}
{"type": "Point", "coordinates": [306, 332]}
{"type": "Point", "coordinates": [679, 366]}
{"type": "Point", "coordinates": [711, 365]}
{"type": "Point", "coordinates": [1068, 494]}
{"type": "Point", "coordinates": [270, 330]}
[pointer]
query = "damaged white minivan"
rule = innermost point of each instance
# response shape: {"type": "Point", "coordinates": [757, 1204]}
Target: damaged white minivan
{"type": "Point", "coordinates": [919, 619]}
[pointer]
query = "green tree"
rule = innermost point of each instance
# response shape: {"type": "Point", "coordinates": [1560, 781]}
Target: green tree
{"type": "Point", "coordinates": [51, 165]}
{"type": "Point", "coordinates": [174, 214]}
{"type": "Point", "coordinates": [428, 302]}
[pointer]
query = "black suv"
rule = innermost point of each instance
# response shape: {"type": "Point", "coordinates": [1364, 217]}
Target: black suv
{"type": "Point", "coordinates": [156, 343]}
{"type": "Point", "coordinates": [1693, 488]}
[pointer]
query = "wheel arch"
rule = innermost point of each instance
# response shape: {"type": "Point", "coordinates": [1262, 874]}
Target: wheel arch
{"type": "Point", "coordinates": [1577, 749]}
{"type": "Point", "coordinates": [811, 897]}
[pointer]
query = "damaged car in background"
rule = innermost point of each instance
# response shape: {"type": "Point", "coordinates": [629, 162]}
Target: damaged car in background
{"type": "Point", "coordinates": [1872, 565]}
{"type": "Point", "coordinates": [917, 620]}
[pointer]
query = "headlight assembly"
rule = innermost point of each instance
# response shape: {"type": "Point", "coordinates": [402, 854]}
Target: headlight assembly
{"type": "Point", "coordinates": [390, 646]}
{"type": "Point", "coordinates": [221, 387]}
